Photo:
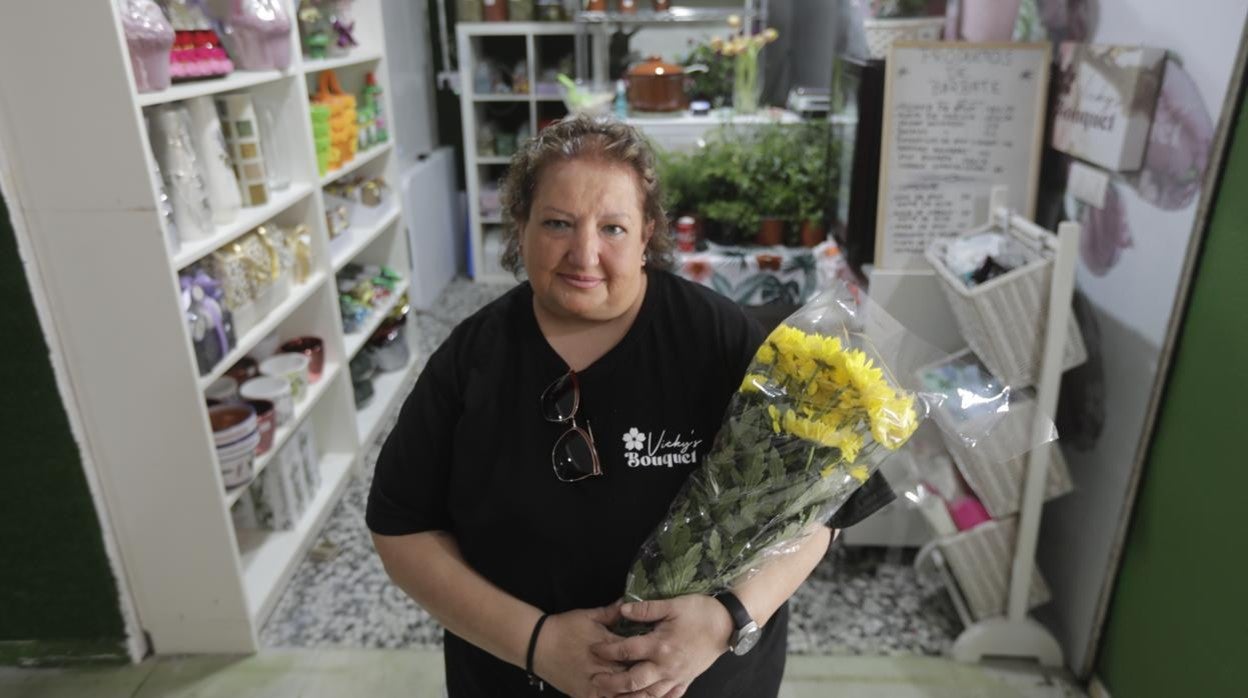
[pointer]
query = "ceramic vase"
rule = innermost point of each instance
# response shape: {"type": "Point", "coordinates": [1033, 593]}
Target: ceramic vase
{"type": "Point", "coordinates": [215, 158]}
{"type": "Point", "coordinates": [182, 171]}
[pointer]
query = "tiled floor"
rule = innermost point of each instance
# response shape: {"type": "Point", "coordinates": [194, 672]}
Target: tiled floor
{"type": "Point", "coordinates": [414, 674]}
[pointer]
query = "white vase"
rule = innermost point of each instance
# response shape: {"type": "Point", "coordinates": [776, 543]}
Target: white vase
{"type": "Point", "coordinates": [215, 159]}
{"type": "Point", "coordinates": [183, 174]}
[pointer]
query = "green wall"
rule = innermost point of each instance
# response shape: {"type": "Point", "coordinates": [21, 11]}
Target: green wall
{"type": "Point", "coordinates": [58, 598]}
{"type": "Point", "coordinates": [1178, 622]}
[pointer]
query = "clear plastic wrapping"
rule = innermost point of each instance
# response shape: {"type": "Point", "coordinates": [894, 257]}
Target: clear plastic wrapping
{"type": "Point", "coordinates": [833, 391]}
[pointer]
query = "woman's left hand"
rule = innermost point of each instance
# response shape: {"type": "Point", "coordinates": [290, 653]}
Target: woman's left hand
{"type": "Point", "coordinates": [691, 632]}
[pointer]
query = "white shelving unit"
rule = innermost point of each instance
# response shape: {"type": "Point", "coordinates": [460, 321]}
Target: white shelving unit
{"type": "Point", "coordinates": [75, 163]}
{"type": "Point", "coordinates": [538, 44]}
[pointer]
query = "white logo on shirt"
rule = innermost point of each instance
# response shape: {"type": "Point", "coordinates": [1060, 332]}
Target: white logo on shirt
{"type": "Point", "coordinates": [634, 440]}
{"type": "Point", "coordinates": [643, 450]}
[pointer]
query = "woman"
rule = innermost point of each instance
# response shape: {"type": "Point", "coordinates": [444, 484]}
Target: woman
{"type": "Point", "coordinates": [526, 468]}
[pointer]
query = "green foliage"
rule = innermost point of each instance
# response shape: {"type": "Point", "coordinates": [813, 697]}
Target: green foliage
{"type": "Point", "coordinates": [741, 176]}
{"type": "Point", "coordinates": [714, 85]}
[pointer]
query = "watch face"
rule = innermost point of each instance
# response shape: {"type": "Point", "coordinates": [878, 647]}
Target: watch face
{"type": "Point", "coordinates": [747, 637]}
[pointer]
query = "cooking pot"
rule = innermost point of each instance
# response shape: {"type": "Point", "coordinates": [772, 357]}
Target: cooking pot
{"type": "Point", "coordinates": [656, 86]}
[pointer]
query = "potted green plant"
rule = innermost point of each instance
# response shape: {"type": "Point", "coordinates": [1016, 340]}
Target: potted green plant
{"type": "Point", "coordinates": [715, 83]}
{"type": "Point", "coordinates": [813, 181]}
{"type": "Point", "coordinates": [724, 186]}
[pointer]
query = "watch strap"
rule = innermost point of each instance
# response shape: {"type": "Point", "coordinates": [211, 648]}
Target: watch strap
{"type": "Point", "coordinates": [736, 609]}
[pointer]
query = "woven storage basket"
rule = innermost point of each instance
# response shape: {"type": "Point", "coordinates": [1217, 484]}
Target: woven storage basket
{"type": "Point", "coordinates": [881, 33]}
{"type": "Point", "coordinates": [994, 467]}
{"type": "Point", "coordinates": [1003, 319]}
{"type": "Point", "coordinates": [980, 560]}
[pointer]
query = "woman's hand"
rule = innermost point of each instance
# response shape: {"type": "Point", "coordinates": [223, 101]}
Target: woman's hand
{"type": "Point", "coordinates": [691, 633]}
{"type": "Point", "coordinates": [563, 658]}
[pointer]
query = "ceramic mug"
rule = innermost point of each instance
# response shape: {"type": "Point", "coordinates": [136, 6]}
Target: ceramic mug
{"type": "Point", "coordinates": [314, 349]}
{"type": "Point", "coordinates": [223, 389]}
{"type": "Point", "coordinates": [231, 423]}
{"type": "Point", "coordinates": [292, 367]}
{"type": "Point", "coordinates": [276, 391]}
{"type": "Point", "coordinates": [266, 424]}
{"type": "Point", "coordinates": [238, 460]}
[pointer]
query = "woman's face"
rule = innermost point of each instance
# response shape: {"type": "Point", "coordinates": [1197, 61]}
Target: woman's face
{"type": "Point", "coordinates": [584, 243]}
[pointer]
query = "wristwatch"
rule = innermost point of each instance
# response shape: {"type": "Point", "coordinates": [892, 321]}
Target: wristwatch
{"type": "Point", "coordinates": [747, 631]}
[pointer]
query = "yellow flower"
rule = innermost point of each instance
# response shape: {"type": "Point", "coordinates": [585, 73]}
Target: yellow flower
{"type": "Point", "coordinates": [850, 443]}
{"type": "Point", "coordinates": [860, 473]}
{"type": "Point", "coordinates": [775, 418]}
{"type": "Point", "coordinates": [808, 429]}
{"type": "Point", "coordinates": [860, 369]}
{"type": "Point", "coordinates": [788, 340]}
{"type": "Point", "coordinates": [894, 423]}
{"type": "Point", "coordinates": [766, 354]}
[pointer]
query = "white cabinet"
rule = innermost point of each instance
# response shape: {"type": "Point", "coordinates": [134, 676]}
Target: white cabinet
{"type": "Point", "coordinates": [74, 162]}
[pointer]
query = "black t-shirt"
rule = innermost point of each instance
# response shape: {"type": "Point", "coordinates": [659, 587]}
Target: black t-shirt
{"type": "Point", "coordinates": [471, 455]}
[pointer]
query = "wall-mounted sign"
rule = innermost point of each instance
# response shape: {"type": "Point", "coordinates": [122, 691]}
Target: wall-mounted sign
{"type": "Point", "coordinates": [958, 119]}
{"type": "Point", "coordinates": [1105, 101]}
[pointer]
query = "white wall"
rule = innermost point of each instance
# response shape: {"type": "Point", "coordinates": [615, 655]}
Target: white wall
{"type": "Point", "coordinates": [1132, 302]}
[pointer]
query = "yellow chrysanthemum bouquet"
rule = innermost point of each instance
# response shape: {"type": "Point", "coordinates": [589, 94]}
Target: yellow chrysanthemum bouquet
{"type": "Point", "coordinates": [814, 416]}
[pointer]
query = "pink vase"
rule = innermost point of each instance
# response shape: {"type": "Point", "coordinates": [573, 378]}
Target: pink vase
{"type": "Point", "coordinates": [988, 20]}
{"type": "Point", "coordinates": [261, 31]}
{"type": "Point", "coordinates": [149, 38]}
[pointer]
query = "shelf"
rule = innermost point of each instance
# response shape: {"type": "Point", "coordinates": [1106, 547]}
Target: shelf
{"type": "Point", "coordinates": [355, 341]}
{"type": "Point", "coordinates": [676, 15]}
{"type": "Point", "coordinates": [386, 392]}
{"type": "Point", "coordinates": [515, 28]}
{"type": "Point", "coordinates": [302, 409]}
{"type": "Point", "coordinates": [493, 160]}
{"type": "Point", "coordinates": [361, 159]}
{"type": "Point", "coordinates": [267, 324]}
{"type": "Point", "coordinates": [360, 234]}
{"type": "Point", "coordinates": [496, 219]}
{"type": "Point", "coordinates": [550, 98]}
{"type": "Point", "coordinates": [501, 98]}
{"type": "Point", "coordinates": [269, 557]}
{"type": "Point", "coordinates": [237, 80]}
{"type": "Point", "coordinates": [248, 218]}
{"type": "Point", "coordinates": [316, 65]}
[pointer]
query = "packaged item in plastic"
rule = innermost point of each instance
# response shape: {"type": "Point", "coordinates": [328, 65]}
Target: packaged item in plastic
{"type": "Point", "coordinates": [260, 33]}
{"type": "Point", "coordinates": [149, 38]}
{"type": "Point", "coordinates": [829, 395]}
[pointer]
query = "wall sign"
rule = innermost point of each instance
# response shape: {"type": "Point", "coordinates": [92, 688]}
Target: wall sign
{"type": "Point", "coordinates": [958, 119]}
{"type": "Point", "coordinates": [1105, 101]}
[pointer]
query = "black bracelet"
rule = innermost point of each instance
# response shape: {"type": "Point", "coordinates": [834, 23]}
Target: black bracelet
{"type": "Point", "coordinates": [528, 659]}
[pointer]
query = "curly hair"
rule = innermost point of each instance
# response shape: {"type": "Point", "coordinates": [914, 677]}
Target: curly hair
{"type": "Point", "coordinates": [573, 138]}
